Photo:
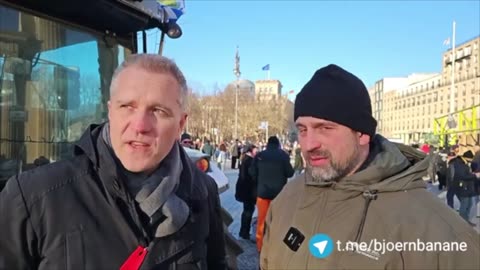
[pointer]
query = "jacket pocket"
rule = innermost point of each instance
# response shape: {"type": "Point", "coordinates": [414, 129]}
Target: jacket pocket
{"type": "Point", "coordinates": [74, 251]}
{"type": "Point", "coordinates": [189, 266]}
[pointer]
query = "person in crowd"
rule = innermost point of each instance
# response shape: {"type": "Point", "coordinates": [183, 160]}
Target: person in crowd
{"type": "Point", "coordinates": [186, 141]}
{"type": "Point", "coordinates": [234, 154]}
{"type": "Point", "coordinates": [432, 168]}
{"type": "Point", "coordinates": [271, 169]}
{"type": "Point", "coordinates": [299, 164]}
{"type": "Point", "coordinates": [208, 149]}
{"type": "Point", "coordinates": [451, 183]}
{"type": "Point", "coordinates": [464, 182]}
{"type": "Point", "coordinates": [475, 165]}
{"type": "Point", "coordinates": [246, 191]}
{"type": "Point", "coordinates": [441, 171]}
{"type": "Point", "coordinates": [222, 156]}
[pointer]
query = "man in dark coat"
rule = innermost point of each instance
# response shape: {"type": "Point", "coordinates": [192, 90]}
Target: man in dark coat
{"type": "Point", "coordinates": [464, 183]}
{"type": "Point", "coordinates": [129, 197]}
{"type": "Point", "coordinates": [271, 169]}
{"type": "Point", "coordinates": [246, 191]}
{"type": "Point", "coordinates": [441, 171]}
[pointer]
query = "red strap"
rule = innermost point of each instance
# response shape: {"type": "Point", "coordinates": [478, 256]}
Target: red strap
{"type": "Point", "coordinates": [135, 259]}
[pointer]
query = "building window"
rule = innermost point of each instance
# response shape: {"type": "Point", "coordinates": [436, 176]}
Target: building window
{"type": "Point", "coordinates": [65, 91]}
{"type": "Point", "coordinates": [467, 51]}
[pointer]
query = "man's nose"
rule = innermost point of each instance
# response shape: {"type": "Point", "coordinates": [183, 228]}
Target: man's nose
{"type": "Point", "coordinates": [142, 121]}
{"type": "Point", "coordinates": [310, 142]}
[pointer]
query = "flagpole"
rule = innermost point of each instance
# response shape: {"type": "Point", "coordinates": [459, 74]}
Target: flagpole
{"type": "Point", "coordinates": [268, 73]}
{"type": "Point", "coordinates": [452, 87]}
{"type": "Point", "coordinates": [237, 73]}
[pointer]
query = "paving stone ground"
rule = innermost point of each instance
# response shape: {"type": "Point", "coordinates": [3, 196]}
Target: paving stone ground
{"type": "Point", "coordinates": [249, 258]}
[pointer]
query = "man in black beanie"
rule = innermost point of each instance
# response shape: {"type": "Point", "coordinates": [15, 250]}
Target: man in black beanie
{"type": "Point", "coordinates": [358, 188]}
{"type": "Point", "coordinates": [270, 169]}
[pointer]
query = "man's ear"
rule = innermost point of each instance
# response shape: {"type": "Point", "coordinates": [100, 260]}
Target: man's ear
{"type": "Point", "coordinates": [109, 106]}
{"type": "Point", "coordinates": [183, 122]}
{"type": "Point", "coordinates": [364, 139]}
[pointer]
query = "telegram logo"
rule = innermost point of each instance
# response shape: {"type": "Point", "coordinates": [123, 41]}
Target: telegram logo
{"type": "Point", "coordinates": [321, 246]}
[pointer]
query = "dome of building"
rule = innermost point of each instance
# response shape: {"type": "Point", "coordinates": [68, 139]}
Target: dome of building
{"type": "Point", "coordinates": [243, 84]}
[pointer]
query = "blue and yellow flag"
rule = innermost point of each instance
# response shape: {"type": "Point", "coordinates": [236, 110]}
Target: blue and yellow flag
{"type": "Point", "coordinates": [174, 8]}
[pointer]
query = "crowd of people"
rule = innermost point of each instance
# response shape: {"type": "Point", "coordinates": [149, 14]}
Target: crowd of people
{"type": "Point", "coordinates": [230, 154]}
{"type": "Point", "coordinates": [457, 172]}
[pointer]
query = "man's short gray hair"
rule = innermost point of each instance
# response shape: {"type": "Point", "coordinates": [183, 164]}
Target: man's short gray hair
{"type": "Point", "coordinates": [157, 64]}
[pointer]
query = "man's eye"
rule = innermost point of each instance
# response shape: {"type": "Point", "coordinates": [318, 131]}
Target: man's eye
{"type": "Point", "coordinates": [126, 106]}
{"type": "Point", "coordinates": [160, 111]}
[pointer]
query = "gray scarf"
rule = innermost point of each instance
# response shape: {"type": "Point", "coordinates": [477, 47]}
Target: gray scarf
{"type": "Point", "coordinates": [155, 193]}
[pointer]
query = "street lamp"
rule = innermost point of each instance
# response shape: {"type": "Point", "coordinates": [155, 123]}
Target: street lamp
{"type": "Point", "coordinates": [236, 71]}
{"type": "Point", "coordinates": [170, 28]}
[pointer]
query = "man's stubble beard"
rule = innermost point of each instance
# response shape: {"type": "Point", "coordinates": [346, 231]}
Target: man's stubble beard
{"type": "Point", "coordinates": [334, 171]}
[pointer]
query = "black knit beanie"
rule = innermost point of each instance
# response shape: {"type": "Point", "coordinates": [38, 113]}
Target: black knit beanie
{"type": "Point", "coordinates": [336, 95]}
{"type": "Point", "coordinates": [468, 154]}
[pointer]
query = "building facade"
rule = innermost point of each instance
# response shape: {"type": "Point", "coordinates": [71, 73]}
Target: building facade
{"type": "Point", "coordinates": [407, 108]}
{"type": "Point", "coordinates": [266, 90]}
